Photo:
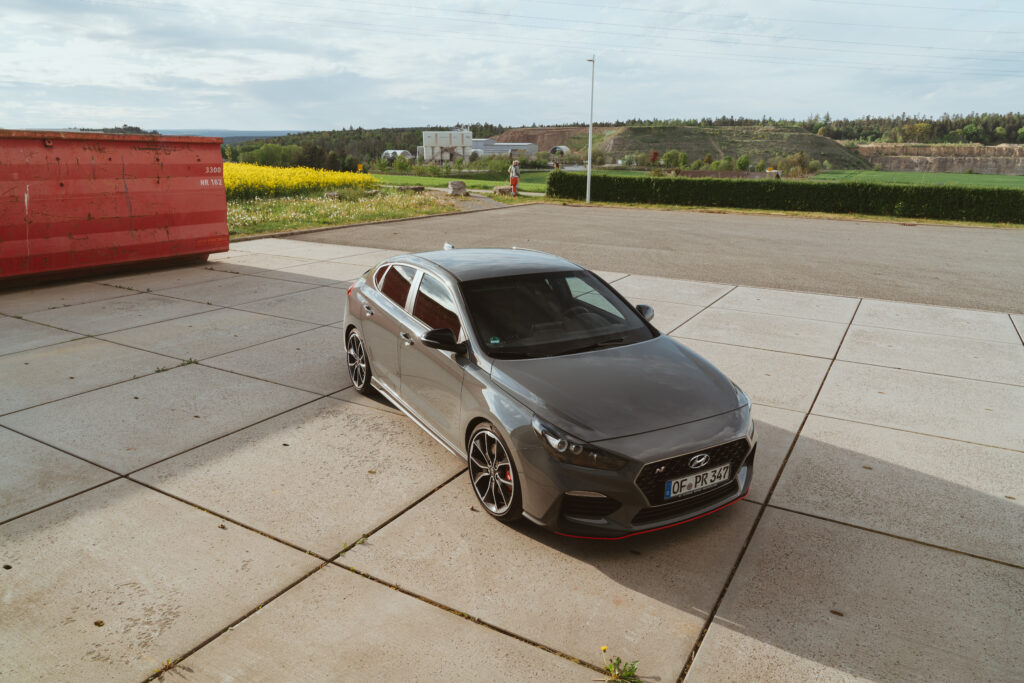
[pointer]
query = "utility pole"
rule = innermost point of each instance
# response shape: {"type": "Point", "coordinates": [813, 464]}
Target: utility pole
{"type": "Point", "coordinates": [590, 136]}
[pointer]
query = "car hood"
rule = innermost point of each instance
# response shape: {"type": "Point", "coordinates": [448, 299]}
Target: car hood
{"type": "Point", "coordinates": [619, 391]}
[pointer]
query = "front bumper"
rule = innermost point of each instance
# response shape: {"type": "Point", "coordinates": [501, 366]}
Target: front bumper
{"type": "Point", "coordinates": [587, 503]}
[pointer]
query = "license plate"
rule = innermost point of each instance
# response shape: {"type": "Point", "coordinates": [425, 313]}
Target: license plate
{"type": "Point", "coordinates": [674, 488]}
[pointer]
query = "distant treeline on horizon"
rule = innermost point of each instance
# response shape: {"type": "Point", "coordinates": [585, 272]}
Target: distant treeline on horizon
{"type": "Point", "coordinates": [345, 148]}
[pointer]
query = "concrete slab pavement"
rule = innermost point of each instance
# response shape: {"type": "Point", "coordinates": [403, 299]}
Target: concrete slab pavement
{"type": "Point", "coordinates": [340, 626]}
{"type": "Point", "coordinates": [648, 596]}
{"type": "Point", "coordinates": [134, 424]}
{"type": "Point", "coordinates": [75, 367]}
{"type": "Point", "coordinates": [831, 527]}
{"type": "Point", "coordinates": [765, 331]}
{"type": "Point", "coordinates": [113, 314]}
{"type": "Point", "coordinates": [311, 361]}
{"type": "Point", "coordinates": [112, 583]}
{"type": "Point", "coordinates": [965, 409]}
{"type": "Point", "coordinates": [322, 306]}
{"type": "Point", "coordinates": [305, 477]}
{"type": "Point", "coordinates": [35, 475]}
{"type": "Point", "coordinates": [22, 301]}
{"type": "Point", "coordinates": [791, 304]}
{"type": "Point", "coordinates": [241, 289]}
{"type": "Point", "coordinates": [936, 354]}
{"type": "Point", "coordinates": [208, 334]}
{"type": "Point", "coordinates": [946, 493]}
{"type": "Point", "coordinates": [20, 335]}
{"type": "Point", "coordinates": [815, 600]}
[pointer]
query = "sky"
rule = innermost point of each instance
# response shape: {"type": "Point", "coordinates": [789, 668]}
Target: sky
{"type": "Point", "coordinates": [329, 64]}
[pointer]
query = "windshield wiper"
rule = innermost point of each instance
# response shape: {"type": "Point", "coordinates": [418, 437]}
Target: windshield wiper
{"type": "Point", "coordinates": [592, 347]}
{"type": "Point", "coordinates": [510, 355]}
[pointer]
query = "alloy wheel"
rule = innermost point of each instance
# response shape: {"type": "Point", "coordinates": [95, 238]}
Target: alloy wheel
{"type": "Point", "coordinates": [490, 470]}
{"type": "Point", "coordinates": [356, 361]}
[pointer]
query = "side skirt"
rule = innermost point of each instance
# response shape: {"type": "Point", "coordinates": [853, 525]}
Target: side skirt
{"type": "Point", "coordinates": [411, 414]}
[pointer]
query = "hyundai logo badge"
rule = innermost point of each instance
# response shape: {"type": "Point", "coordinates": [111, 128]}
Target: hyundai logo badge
{"type": "Point", "coordinates": [660, 470]}
{"type": "Point", "coordinates": [699, 460]}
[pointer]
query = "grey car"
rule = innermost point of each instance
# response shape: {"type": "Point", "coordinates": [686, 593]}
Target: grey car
{"type": "Point", "coordinates": [569, 406]}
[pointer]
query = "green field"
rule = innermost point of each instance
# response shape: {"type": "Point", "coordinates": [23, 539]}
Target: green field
{"type": "Point", "coordinates": [1013, 182]}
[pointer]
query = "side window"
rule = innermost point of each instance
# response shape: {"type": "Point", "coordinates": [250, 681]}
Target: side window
{"type": "Point", "coordinates": [379, 275]}
{"type": "Point", "coordinates": [434, 306]}
{"type": "Point", "coordinates": [396, 284]}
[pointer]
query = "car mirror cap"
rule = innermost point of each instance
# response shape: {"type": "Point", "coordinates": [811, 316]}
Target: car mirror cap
{"type": "Point", "coordinates": [646, 311]}
{"type": "Point", "coordinates": [443, 339]}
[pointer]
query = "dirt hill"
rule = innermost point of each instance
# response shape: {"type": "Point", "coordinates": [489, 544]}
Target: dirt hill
{"type": "Point", "coordinates": [996, 159]}
{"type": "Point", "coordinates": [547, 137]}
{"type": "Point", "coordinates": [759, 142]}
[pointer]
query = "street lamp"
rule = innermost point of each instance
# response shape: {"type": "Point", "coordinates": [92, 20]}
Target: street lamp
{"type": "Point", "coordinates": [590, 136]}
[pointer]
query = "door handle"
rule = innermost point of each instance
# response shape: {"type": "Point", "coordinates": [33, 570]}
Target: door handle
{"type": "Point", "coordinates": [407, 338]}
{"type": "Point", "coordinates": [369, 311]}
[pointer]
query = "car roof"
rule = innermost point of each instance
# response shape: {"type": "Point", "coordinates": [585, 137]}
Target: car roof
{"type": "Point", "coordinates": [478, 264]}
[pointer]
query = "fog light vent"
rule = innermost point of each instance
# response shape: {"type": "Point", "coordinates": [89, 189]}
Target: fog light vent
{"type": "Point", "coordinates": [587, 504]}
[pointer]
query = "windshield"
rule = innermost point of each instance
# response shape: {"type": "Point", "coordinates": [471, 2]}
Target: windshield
{"type": "Point", "coordinates": [550, 314]}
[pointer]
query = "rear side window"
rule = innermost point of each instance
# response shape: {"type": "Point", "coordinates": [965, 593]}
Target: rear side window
{"type": "Point", "coordinates": [396, 284]}
{"type": "Point", "coordinates": [379, 275]}
{"type": "Point", "coordinates": [435, 306]}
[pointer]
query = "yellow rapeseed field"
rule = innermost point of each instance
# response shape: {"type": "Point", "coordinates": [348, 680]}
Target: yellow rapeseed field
{"type": "Point", "coordinates": [249, 181]}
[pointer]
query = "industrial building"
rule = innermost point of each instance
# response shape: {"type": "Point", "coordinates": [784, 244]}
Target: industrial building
{"type": "Point", "coordinates": [443, 146]}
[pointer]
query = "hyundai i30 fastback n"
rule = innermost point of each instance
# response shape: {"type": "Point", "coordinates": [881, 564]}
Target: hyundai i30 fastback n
{"type": "Point", "coordinates": [569, 406]}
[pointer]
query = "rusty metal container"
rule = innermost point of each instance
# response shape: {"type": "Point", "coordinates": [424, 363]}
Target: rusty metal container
{"type": "Point", "coordinates": [80, 201]}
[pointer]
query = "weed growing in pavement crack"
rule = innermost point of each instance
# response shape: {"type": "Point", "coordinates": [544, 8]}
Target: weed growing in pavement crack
{"type": "Point", "coordinates": [618, 670]}
{"type": "Point", "coordinates": [188, 361]}
{"type": "Point", "coordinates": [166, 666]}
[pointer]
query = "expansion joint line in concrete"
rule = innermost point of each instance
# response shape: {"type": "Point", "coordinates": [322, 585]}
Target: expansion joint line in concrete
{"type": "Point", "coordinates": [475, 620]}
{"type": "Point", "coordinates": [760, 513]}
{"type": "Point", "coordinates": [1019, 335]}
{"type": "Point", "coordinates": [896, 536]}
{"type": "Point", "coordinates": [324, 561]}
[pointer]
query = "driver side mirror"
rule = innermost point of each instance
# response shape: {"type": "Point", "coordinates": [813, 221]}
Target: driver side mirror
{"type": "Point", "coordinates": [443, 339]}
{"type": "Point", "coordinates": [646, 311]}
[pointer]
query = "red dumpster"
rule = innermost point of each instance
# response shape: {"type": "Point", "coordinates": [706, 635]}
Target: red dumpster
{"type": "Point", "coordinates": [74, 201]}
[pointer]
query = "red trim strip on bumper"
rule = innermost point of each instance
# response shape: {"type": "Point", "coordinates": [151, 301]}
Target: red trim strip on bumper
{"type": "Point", "coordinates": [667, 526]}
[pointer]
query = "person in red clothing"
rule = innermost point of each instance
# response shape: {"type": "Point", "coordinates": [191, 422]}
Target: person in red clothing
{"type": "Point", "coordinates": [513, 177]}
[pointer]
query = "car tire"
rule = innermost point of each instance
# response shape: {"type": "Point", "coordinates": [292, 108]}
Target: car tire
{"type": "Point", "coordinates": [493, 475]}
{"type": "Point", "coordinates": [358, 362]}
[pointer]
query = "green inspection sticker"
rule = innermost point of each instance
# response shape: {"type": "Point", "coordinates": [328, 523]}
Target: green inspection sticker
{"type": "Point", "coordinates": [495, 340]}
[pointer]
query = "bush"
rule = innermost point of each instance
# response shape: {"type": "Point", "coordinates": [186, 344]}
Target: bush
{"type": "Point", "coordinates": [743, 163]}
{"type": "Point", "coordinates": [912, 201]}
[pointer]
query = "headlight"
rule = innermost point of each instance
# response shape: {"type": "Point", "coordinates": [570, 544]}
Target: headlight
{"type": "Point", "coordinates": [568, 450]}
{"type": "Point", "coordinates": [741, 395]}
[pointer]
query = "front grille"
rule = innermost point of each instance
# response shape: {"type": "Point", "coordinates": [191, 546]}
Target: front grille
{"type": "Point", "coordinates": [679, 507]}
{"type": "Point", "coordinates": [588, 506]}
{"type": "Point", "coordinates": [652, 482]}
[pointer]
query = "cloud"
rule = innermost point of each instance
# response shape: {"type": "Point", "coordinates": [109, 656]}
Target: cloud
{"type": "Point", "coordinates": [314, 64]}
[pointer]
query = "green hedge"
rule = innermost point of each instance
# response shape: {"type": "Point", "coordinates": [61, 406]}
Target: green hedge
{"type": "Point", "coordinates": [990, 205]}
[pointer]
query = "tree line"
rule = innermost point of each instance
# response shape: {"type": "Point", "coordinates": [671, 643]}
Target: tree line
{"type": "Point", "coordinates": [340, 150]}
{"type": "Point", "coordinates": [347, 148]}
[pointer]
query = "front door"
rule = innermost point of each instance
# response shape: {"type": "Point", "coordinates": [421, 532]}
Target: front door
{"type": "Point", "coordinates": [431, 378]}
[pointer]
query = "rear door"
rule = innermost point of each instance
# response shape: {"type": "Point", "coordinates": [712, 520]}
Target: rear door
{"type": "Point", "coordinates": [383, 315]}
{"type": "Point", "coordinates": [431, 378]}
